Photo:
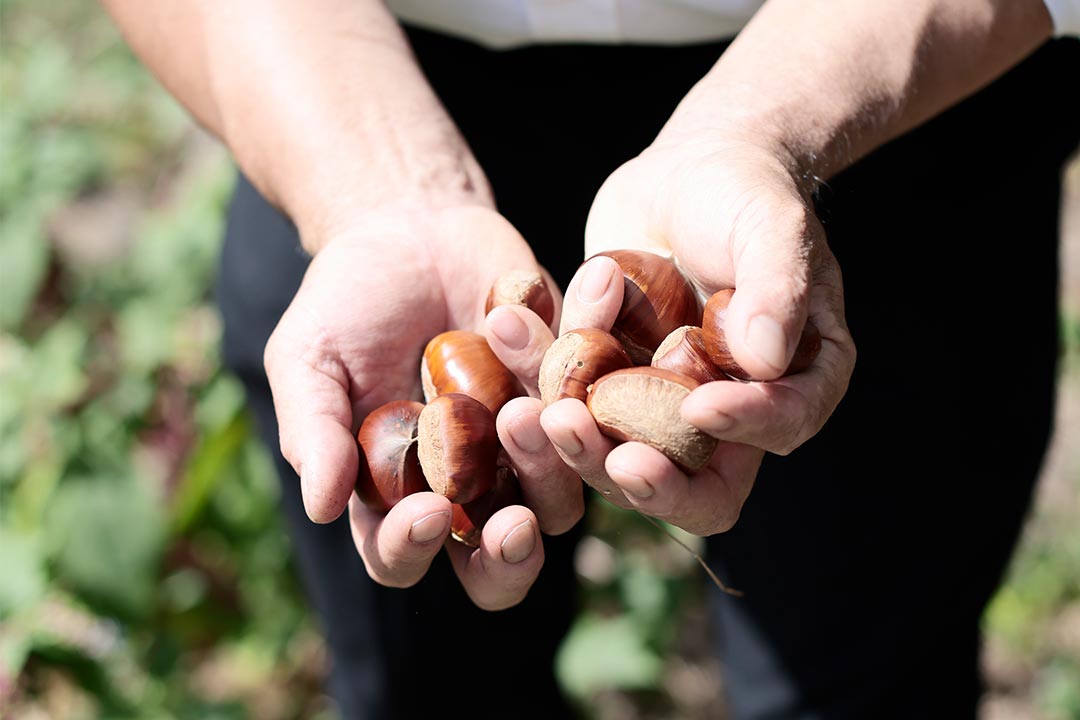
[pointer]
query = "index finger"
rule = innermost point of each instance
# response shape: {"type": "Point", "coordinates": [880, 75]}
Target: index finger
{"type": "Point", "coordinates": [593, 297]}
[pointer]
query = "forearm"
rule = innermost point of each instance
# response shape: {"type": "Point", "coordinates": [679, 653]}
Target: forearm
{"type": "Point", "coordinates": [321, 102]}
{"type": "Point", "coordinates": [828, 81]}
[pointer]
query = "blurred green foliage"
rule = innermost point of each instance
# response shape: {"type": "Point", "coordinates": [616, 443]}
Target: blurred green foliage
{"type": "Point", "coordinates": [146, 573]}
{"type": "Point", "coordinates": [145, 569]}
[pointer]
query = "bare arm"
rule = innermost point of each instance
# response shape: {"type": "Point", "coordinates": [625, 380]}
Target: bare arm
{"type": "Point", "coordinates": [324, 107]}
{"type": "Point", "coordinates": [827, 82]}
{"type": "Point", "coordinates": [321, 102]}
{"type": "Point", "coordinates": [805, 90]}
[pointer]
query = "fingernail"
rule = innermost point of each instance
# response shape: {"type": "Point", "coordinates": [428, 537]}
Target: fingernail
{"type": "Point", "coordinates": [527, 433]}
{"type": "Point", "coordinates": [595, 283]}
{"type": "Point", "coordinates": [571, 444]}
{"type": "Point", "coordinates": [509, 328]}
{"type": "Point", "coordinates": [635, 485]}
{"type": "Point", "coordinates": [714, 420]}
{"type": "Point", "coordinates": [767, 340]}
{"type": "Point", "coordinates": [429, 527]}
{"type": "Point", "coordinates": [519, 543]}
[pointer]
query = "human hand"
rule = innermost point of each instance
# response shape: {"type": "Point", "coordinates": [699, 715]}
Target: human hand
{"type": "Point", "coordinates": [732, 213]}
{"type": "Point", "coordinates": [351, 340]}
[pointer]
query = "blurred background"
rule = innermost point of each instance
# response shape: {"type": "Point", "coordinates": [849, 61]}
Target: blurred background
{"type": "Point", "coordinates": [144, 571]}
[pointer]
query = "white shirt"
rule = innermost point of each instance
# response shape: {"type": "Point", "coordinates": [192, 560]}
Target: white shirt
{"type": "Point", "coordinates": [509, 23]}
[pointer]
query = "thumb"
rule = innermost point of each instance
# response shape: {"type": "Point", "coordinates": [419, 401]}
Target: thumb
{"type": "Point", "coordinates": [314, 417]}
{"type": "Point", "coordinates": [769, 309]}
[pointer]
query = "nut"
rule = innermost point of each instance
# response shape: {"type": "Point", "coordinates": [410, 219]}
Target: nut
{"type": "Point", "coordinates": [712, 326]}
{"type": "Point", "coordinates": [457, 361]}
{"type": "Point", "coordinates": [458, 447]}
{"type": "Point", "coordinates": [683, 352]}
{"type": "Point", "coordinates": [656, 300]}
{"type": "Point", "coordinates": [576, 360]}
{"type": "Point", "coordinates": [468, 520]}
{"type": "Point", "coordinates": [389, 466]}
{"type": "Point", "coordinates": [642, 404]}
{"type": "Point", "coordinates": [522, 287]}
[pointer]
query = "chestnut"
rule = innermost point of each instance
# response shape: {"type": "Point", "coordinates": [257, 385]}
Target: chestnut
{"type": "Point", "coordinates": [642, 404]}
{"type": "Point", "coordinates": [656, 300]}
{"type": "Point", "coordinates": [467, 521]}
{"type": "Point", "coordinates": [576, 360]}
{"type": "Point", "coordinates": [522, 287]}
{"type": "Point", "coordinates": [458, 361]}
{"type": "Point", "coordinates": [458, 447]}
{"type": "Point", "coordinates": [683, 351]}
{"type": "Point", "coordinates": [389, 465]}
{"type": "Point", "coordinates": [712, 326]}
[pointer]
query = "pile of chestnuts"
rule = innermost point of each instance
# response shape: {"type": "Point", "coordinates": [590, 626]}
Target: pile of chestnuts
{"type": "Point", "coordinates": [633, 380]}
{"type": "Point", "coordinates": [450, 445]}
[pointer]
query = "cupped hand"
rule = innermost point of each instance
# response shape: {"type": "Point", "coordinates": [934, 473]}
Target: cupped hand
{"type": "Point", "coordinates": [733, 215]}
{"type": "Point", "coordinates": [351, 340]}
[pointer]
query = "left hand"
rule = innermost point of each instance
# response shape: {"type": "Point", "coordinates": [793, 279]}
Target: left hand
{"type": "Point", "coordinates": [732, 214]}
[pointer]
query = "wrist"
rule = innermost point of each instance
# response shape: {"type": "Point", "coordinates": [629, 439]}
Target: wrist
{"type": "Point", "coordinates": [336, 201]}
{"type": "Point", "coordinates": [330, 116]}
{"type": "Point", "coordinates": [759, 138]}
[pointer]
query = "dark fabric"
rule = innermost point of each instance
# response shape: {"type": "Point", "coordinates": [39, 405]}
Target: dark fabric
{"type": "Point", "coordinates": [868, 554]}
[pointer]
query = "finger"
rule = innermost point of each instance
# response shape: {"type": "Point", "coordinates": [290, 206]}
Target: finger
{"type": "Point", "coordinates": [499, 573]}
{"type": "Point", "coordinates": [574, 435]}
{"type": "Point", "coordinates": [519, 338]}
{"type": "Point", "coordinates": [397, 548]}
{"type": "Point", "coordinates": [593, 297]}
{"type": "Point", "coordinates": [779, 415]}
{"type": "Point", "coordinates": [314, 414]}
{"type": "Point", "coordinates": [557, 298]}
{"type": "Point", "coordinates": [705, 504]}
{"type": "Point", "coordinates": [766, 316]}
{"type": "Point", "coordinates": [550, 487]}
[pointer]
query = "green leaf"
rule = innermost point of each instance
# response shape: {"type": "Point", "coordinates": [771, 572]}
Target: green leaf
{"type": "Point", "coordinates": [601, 653]}
{"type": "Point", "coordinates": [215, 453]}
{"type": "Point", "coordinates": [22, 582]}
{"type": "Point", "coordinates": [55, 376]}
{"type": "Point", "coordinates": [108, 537]}
{"type": "Point", "coordinates": [24, 258]}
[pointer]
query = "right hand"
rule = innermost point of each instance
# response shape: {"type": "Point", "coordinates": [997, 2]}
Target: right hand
{"type": "Point", "coordinates": [351, 340]}
{"type": "Point", "coordinates": [731, 213]}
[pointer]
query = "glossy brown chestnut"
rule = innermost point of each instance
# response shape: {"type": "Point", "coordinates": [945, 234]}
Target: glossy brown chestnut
{"type": "Point", "coordinates": [522, 287]}
{"type": "Point", "coordinates": [712, 326]}
{"type": "Point", "coordinates": [457, 361]}
{"type": "Point", "coordinates": [467, 521]}
{"type": "Point", "coordinates": [656, 300]}
{"type": "Point", "coordinates": [642, 404]}
{"type": "Point", "coordinates": [389, 465]}
{"type": "Point", "coordinates": [458, 447]}
{"type": "Point", "coordinates": [683, 352]}
{"type": "Point", "coordinates": [576, 360]}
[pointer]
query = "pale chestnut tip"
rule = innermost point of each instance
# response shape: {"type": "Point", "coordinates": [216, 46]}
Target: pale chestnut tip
{"type": "Point", "coordinates": [522, 287]}
{"type": "Point", "coordinates": [642, 404]}
{"type": "Point", "coordinates": [577, 359]}
{"type": "Point", "coordinates": [683, 352]}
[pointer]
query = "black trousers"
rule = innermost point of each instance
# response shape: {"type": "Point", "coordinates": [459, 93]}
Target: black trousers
{"type": "Point", "coordinates": [868, 555]}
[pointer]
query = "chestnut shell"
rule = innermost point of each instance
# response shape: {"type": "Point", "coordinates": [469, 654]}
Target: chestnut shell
{"type": "Point", "coordinates": [389, 466]}
{"type": "Point", "coordinates": [656, 300]}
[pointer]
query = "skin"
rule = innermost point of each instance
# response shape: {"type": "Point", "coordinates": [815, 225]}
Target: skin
{"type": "Point", "coordinates": [375, 175]}
{"type": "Point", "coordinates": [804, 91]}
